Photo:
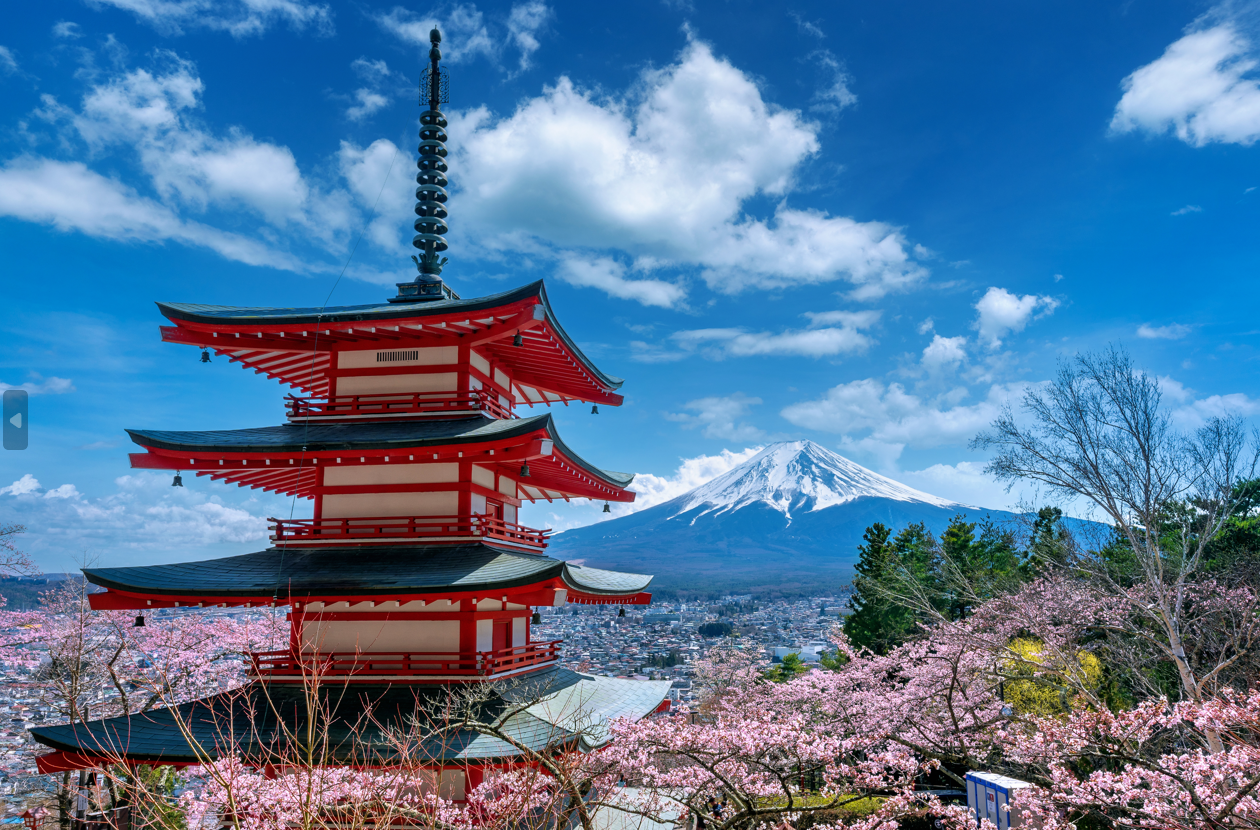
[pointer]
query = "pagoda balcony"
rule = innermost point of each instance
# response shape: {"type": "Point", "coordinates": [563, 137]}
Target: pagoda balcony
{"type": "Point", "coordinates": [358, 665]}
{"type": "Point", "coordinates": [391, 530]}
{"type": "Point", "coordinates": [398, 405]}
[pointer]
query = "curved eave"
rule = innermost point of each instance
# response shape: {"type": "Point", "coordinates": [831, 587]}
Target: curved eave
{"type": "Point", "coordinates": [402, 573]}
{"type": "Point", "coordinates": [597, 582]}
{"type": "Point", "coordinates": [208, 319]}
{"type": "Point", "coordinates": [295, 448]}
{"type": "Point", "coordinates": [312, 574]}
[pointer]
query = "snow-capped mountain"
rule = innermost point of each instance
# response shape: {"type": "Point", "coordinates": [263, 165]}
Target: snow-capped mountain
{"type": "Point", "coordinates": [792, 515]}
{"type": "Point", "coordinates": [798, 476]}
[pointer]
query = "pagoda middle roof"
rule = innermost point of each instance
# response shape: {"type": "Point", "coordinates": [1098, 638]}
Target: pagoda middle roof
{"type": "Point", "coordinates": [364, 571]}
{"type": "Point", "coordinates": [255, 722]}
{"type": "Point", "coordinates": [548, 365]}
{"type": "Point", "coordinates": [399, 436]}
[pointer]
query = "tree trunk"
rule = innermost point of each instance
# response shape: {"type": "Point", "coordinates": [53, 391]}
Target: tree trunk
{"type": "Point", "coordinates": [64, 805]}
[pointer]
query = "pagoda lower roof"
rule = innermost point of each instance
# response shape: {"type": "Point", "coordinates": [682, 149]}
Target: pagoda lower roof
{"type": "Point", "coordinates": [561, 473]}
{"type": "Point", "coordinates": [255, 723]}
{"type": "Point", "coordinates": [361, 573]}
{"type": "Point", "coordinates": [294, 345]}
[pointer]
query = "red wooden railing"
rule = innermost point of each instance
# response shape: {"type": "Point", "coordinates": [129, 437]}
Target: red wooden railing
{"type": "Point", "coordinates": [367, 407]}
{"type": "Point", "coordinates": [389, 529]}
{"type": "Point", "coordinates": [286, 663]}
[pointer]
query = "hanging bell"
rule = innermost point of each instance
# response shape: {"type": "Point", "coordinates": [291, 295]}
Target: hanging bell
{"type": "Point", "coordinates": [594, 409]}
{"type": "Point", "coordinates": [205, 355]}
{"type": "Point", "coordinates": [525, 470]}
{"type": "Point", "coordinates": [518, 340]}
{"type": "Point", "coordinates": [621, 612]}
{"type": "Point", "coordinates": [178, 482]}
{"type": "Point", "coordinates": [536, 619]}
{"type": "Point", "coordinates": [139, 623]}
{"type": "Point", "coordinates": [607, 509]}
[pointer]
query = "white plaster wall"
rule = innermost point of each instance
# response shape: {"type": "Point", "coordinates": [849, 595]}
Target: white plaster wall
{"type": "Point", "coordinates": [483, 476]}
{"type": "Point", "coordinates": [518, 631]}
{"type": "Point", "coordinates": [507, 486]}
{"type": "Point", "coordinates": [420, 636]}
{"type": "Point", "coordinates": [485, 635]}
{"type": "Point", "coordinates": [357, 505]}
{"type": "Point", "coordinates": [335, 476]}
{"type": "Point", "coordinates": [366, 358]}
{"type": "Point", "coordinates": [386, 384]}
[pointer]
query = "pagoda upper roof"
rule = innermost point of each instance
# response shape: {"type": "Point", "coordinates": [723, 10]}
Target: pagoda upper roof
{"type": "Point", "coordinates": [255, 722]}
{"type": "Point", "coordinates": [557, 473]}
{"type": "Point", "coordinates": [370, 571]}
{"type": "Point", "coordinates": [547, 362]}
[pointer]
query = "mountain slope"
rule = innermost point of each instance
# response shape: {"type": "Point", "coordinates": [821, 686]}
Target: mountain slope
{"type": "Point", "coordinates": [791, 517]}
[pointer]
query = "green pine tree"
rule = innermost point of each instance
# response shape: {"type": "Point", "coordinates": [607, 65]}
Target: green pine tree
{"type": "Point", "coordinates": [876, 622]}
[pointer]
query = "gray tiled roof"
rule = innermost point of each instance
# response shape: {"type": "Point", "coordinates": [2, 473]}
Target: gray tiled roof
{"type": "Point", "coordinates": [599, 581]}
{"type": "Point", "coordinates": [347, 570]}
{"type": "Point", "coordinates": [400, 435]}
{"type": "Point", "coordinates": [255, 720]}
{"type": "Point", "coordinates": [340, 570]}
{"type": "Point", "coordinates": [220, 315]}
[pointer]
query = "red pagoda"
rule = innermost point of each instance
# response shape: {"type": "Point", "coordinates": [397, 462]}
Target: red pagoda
{"type": "Point", "coordinates": [414, 572]}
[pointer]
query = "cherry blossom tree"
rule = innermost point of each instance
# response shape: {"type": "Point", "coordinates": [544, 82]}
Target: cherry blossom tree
{"type": "Point", "coordinates": [1150, 767]}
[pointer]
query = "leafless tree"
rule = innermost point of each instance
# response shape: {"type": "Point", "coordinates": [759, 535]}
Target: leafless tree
{"type": "Point", "coordinates": [1098, 433]}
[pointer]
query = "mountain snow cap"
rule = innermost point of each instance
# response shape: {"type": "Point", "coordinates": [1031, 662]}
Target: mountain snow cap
{"type": "Point", "coordinates": [797, 476]}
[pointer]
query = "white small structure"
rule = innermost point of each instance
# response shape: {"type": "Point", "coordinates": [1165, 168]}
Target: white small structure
{"type": "Point", "coordinates": [988, 795]}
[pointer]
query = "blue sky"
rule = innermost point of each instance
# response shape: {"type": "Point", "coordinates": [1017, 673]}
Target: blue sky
{"type": "Point", "coordinates": [864, 224]}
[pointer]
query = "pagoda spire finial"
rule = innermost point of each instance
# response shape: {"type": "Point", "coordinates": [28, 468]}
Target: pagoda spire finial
{"type": "Point", "coordinates": [431, 182]}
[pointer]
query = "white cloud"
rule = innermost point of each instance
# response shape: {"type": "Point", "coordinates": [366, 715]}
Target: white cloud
{"type": "Point", "coordinates": [524, 23]}
{"type": "Point", "coordinates": [69, 196]}
{"type": "Point", "coordinates": [834, 95]}
{"type": "Point", "coordinates": [464, 33]}
{"type": "Point", "coordinates": [965, 482]}
{"type": "Point", "coordinates": [151, 112]}
{"type": "Point", "coordinates": [665, 175]}
{"type": "Point", "coordinates": [650, 490]}
{"type": "Point", "coordinates": [41, 385]}
{"type": "Point", "coordinates": [720, 417]}
{"type": "Point", "coordinates": [1187, 209]}
{"type": "Point", "coordinates": [144, 512]}
{"type": "Point", "coordinates": [1195, 413]}
{"type": "Point", "coordinates": [1173, 331]}
{"type": "Point", "coordinates": [999, 313]}
{"type": "Point", "coordinates": [926, 326]}
{"type": "Point", "coordinates": [376, 70]}
{"type": "Point", "coordinates": [240, 18]}
{"type": "Point", "coordinates": [829, 333]}
{"type": "Point", "coordinates": [881, 420]}
{"type": "Point", "coordinates": [807, 27]}
{"type": "Point", "coordinates": [609, 276]}
{"type": "Point", "coordinates": [24, 486]}
{"type": "Point", "coordinates": [380, 178]}
{"type": "Point", "coordinates": [368, 103]}
{"type": "Point", "coordinates": [944, 353]}
{"type": "Point", "coordinates": [8, 63]}
{"type": "Point", "coordinates": [66, 30]}
{"type": "Point", "coordinates": [1202, 88]}
{"type": "Point", "coordinates": [719, 343]}
{"type": "Point", "coordinates": [65, 491]}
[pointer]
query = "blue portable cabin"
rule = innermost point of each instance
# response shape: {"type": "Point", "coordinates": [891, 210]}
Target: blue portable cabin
{"type": "Point", "coordinates": [988, 795]}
